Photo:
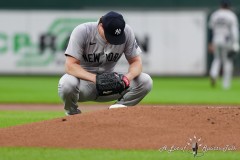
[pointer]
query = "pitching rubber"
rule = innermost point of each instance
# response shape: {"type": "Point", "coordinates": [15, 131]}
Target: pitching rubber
{"type": "Point", "coordinates": [117, 106]}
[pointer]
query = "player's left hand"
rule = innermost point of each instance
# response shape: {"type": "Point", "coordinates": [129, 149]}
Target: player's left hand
{"type": "Point", "coordinates": [125, 81]}
{"type": "Point", "coordinates": [111, 83]}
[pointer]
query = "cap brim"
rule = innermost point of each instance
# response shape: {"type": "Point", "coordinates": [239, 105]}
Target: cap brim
{"type": "Point", "coordinates": [115, 40]}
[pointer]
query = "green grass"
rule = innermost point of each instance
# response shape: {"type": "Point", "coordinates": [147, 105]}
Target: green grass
{"type": "Point", "coordinates": [12, 118]}
{"type": "Point", "coordinates": [8, 153]}
{"type": "Point", "coordinates": [192, 91]}
{"type": "Point", "coordinates": [23, 89]}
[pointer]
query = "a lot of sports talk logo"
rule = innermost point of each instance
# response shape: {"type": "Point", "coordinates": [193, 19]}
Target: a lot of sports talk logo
{"type": "Point", "coordinates": [197, 147]}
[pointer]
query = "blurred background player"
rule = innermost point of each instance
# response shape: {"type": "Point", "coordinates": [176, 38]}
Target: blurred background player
{"type": "Point", "coordinates": [224, 42]}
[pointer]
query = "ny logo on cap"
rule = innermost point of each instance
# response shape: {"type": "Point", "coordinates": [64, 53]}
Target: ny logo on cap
{"type": "Point", "coordinates": [118, 31]}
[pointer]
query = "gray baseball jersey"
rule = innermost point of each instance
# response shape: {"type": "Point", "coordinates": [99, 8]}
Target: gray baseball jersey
{"type": "Point", "coordinates": [94, 54]}
{"type": "Point", "coordinates": [224, 24]}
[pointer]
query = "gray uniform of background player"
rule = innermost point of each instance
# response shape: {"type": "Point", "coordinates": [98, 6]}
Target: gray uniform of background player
{"type": "Point", "coordinates": [97, 56]}
{"type": "Point", "coordinates": [224, 24]}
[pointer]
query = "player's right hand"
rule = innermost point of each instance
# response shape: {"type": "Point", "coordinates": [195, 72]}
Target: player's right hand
{"type": "Point", "coordinates": [211, 48]}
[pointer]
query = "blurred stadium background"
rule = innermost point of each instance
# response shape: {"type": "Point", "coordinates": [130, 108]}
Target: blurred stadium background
{"type": "Point", "coordinates": [173, 34]}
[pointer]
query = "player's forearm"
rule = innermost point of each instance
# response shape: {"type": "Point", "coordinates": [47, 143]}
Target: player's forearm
{"type": "Point", "coordinates": [135, 68]}
{"type": "Point", "coordinates": [235, 36]}
{"type": "Point", "coordinates": [77, 71]}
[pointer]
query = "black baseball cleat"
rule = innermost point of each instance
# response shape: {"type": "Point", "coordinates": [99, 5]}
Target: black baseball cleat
{"type": "Point", "coordinates": [72, 112]}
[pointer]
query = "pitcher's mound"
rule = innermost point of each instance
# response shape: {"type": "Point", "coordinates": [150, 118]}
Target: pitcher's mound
{"type": "Point", "coordinates": [131, 128]}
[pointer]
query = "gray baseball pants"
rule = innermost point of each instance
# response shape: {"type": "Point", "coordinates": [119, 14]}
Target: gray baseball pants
{"type": "Point", "coordinates": [73, 90]}
{"type": "Point", "coordinates": [220, 57]}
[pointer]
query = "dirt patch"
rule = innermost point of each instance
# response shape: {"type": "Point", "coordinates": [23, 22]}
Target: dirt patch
{"type": "Point", "coordinates": [141, 127]}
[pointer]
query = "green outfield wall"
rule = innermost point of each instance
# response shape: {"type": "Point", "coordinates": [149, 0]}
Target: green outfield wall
{"type": "Point", "coordinates": [80, 4]}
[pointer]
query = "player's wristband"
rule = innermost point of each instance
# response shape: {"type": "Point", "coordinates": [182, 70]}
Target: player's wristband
{"type": "Point", "coordinates": [126, 81]}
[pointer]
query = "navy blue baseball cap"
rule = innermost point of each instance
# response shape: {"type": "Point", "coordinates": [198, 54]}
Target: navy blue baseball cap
{"type": "Point", "coordinates": [113, 25]}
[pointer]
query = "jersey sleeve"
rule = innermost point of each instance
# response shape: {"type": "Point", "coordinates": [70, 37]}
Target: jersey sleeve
{"type": "Point", "coordinates": [211, 21]}
{"type": "Point", "coordinates": [131, 48]}
{"type": "Point", "coordinates": [235, 29]}
{"type": "Point", "coordinates": [76, 42]}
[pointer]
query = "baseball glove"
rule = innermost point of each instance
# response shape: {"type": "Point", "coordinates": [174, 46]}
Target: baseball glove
{"type": "Point", "coordinates": [234, 51]}
{"type": "Point", "coordinates": [231, 54]}
{"type": "Point", "coordinates": [111, 83]}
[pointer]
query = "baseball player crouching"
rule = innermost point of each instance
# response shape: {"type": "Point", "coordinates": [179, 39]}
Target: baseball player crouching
{"type": "Point", "coordinates": [93, 51]}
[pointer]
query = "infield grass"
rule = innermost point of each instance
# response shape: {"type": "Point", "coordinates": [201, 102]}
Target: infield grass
{"type": "Point", "coordinates": [192, 91]}
{"type": "Point", "coordinates": [29, 89]}
{"type": "Point", "coordinates": [12, 118]}
{"type": "Point", "coordinates": [173, 90]}
{"type": "Point", "coordinates": [8, 153]}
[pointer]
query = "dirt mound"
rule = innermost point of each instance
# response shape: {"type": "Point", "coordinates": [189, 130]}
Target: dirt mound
{"type": "Point", "coordinates": [131, 128]}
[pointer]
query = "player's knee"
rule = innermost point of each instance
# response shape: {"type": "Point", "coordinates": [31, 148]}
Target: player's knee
{"type": "Point", "coordinates": [147, 82]}
{"type": "Point", "coordinates": [68, 84]}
